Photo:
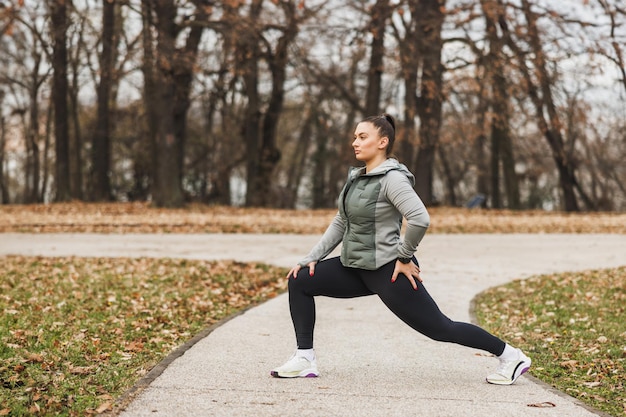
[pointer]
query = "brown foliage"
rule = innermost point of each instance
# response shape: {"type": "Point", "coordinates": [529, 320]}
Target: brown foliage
{"type": "Point", "coordinates": [142, 218]}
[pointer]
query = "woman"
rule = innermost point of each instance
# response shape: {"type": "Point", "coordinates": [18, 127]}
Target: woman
{"type": "Point", "coordinates": [371, 206]}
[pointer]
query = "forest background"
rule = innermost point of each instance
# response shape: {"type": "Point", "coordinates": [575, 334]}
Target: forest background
{"type": "Point", "coordinates": [508, 104]}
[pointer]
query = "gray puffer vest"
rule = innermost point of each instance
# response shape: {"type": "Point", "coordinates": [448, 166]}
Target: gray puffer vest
{"type": "Point", "coordinates": [371, 208]}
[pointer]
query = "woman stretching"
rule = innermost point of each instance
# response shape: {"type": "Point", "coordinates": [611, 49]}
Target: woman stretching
{"type": "Point", "coordinates": [372, 204]}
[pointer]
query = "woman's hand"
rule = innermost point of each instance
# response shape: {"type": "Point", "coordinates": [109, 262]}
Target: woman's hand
{"type": "Point", "coordinates": [410, 270]}
{"type": "Point", "coordinates": [294, 271]}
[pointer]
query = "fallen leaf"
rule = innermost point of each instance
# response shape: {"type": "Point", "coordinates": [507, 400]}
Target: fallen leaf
{"type": "Point", "coordinates": [104, 407]}
{"type": "Point", "coordinates": [34, 357]}
{"type": "Point", "coordinates": [545, 404]}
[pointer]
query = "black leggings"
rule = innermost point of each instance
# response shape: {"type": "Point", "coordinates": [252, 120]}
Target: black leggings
{"type": "Point", "coordinates": [415, 307]}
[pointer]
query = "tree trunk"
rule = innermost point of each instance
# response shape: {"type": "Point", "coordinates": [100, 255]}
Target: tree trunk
{"type": "Point", "coordinates": [145, 153]}
{"type": "Point", "coordinates": [32, 168]}
{"type": "Point", "coordinates": [380, 13]}
{"type": "Point", "coordinates": [410, 57]}
{"type": "Point", "coordinates": [251, 129]}
{"type": "Point", "coordinates": [247, 57]}
{"type": "Point", "coordinates": [101, 144]}
{"type": "Point", "coordinates": [449, 180]}
{"type": "Point", "coordinates": [167, 182]}
{"type": "Point", "coordinates": [58, 28]}
{"type": "Point", "coordinates": [430, 101]}
{"type": "Point", "coordinates": [501, 117]}
{"type": "Point", "coordinates": [480, 145]}
{"type": "Point", "coordinates": [32, 188]}
{"type": "Point", "coordinates": [320, 165]}
{"type": "Point", "coordinates": [260, 177]}
{"type": "Point", "coordinates": [502, 148]}
{"type": "Point", "coordinates": [408, 133]}
{"type": "Point", "coordinates": [298, 161]}
{"type": "Point", "coordinates": [174, 76]}
{"type": "Point", "coordinates": [496, 195]}
{"type": "Point", "coordinates": [46, 155]}
{"type": "Point", "coordinates": [76, 141]}
{"type": "Point", "coordinates": [511, 182]}
{"type": "Point", "coordinates": [4, 190]}
{"type": "Point", "coordinates": [270, 154]}
{"type": "Point", "coordinates": [220, 160]}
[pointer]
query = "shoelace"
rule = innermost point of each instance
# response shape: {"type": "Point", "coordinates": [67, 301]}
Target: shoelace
{"type": "Point", "coordinates": [296, 359]}
{"type": "Point", "coordinates": [502, 366]}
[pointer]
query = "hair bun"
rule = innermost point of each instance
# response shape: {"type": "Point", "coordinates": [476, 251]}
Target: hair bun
{"type": "Point", "coordinates": [390, 119]}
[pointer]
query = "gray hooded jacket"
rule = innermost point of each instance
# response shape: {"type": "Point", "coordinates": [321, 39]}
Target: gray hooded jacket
{"type": "Point", "coordinates": [371, 208]}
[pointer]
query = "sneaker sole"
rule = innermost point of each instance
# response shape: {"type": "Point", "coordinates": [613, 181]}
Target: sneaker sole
{"type": "Point", "coordinates": [521, 369]}
{"type": "Point", "coordinates": [304, 374]}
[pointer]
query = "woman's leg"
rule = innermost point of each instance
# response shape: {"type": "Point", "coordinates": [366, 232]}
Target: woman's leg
{"type": "Point", "coordinates": [331, 279]}
{"type": "Point", "coordinates": [417, 309]}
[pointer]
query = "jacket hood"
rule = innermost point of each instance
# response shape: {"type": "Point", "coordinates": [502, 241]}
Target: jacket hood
{"type": "Point", "coordinates": [382, 169]}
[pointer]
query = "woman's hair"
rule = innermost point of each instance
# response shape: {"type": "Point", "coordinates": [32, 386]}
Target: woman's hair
{"type": "Point", "coordinates": [386, 126]}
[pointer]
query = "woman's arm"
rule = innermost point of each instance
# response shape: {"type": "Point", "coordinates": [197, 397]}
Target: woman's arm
{"type": "Point", "coordinates": [329, 241]}
{"type": "Point", "coordinates": [400, 193]}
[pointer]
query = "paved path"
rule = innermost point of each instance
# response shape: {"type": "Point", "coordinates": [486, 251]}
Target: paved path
{"type": "Point", "coordinates": [371, 364]}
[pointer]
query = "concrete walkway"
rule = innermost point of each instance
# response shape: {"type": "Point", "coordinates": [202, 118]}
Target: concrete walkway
{"type": "Point", "coordinates": [371, 364]}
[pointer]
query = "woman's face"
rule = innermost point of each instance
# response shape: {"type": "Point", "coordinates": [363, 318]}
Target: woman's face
{"type": "Point", "coordinates": [368, 144]}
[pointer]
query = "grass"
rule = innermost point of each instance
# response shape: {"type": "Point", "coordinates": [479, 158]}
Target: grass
{"type": "Point", "coordinates": [572, 325]}
{"type": "Point", "coordinates": [76, 333]}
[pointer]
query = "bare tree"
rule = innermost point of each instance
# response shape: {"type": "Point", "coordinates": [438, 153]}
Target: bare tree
{"type": "Point", "coordinates": [144, 156]}
{"type": "Point", "coordinates": [58, 27]}
{"type": "Point", "coordinates": [410, 57]}
{"type": "Point", "coordinates": [502, 158]}
{"type": "Point", "coordinates": [24, 71]}
{"type": "Point", "coordinates": [334, 88]}
{"type": "Point", "coordinates": [615, 13]}
{"type": "Point", "coordinates": [299, 156]}
{"type": "Point", "coordinates": [262, 116]}
{"type": "Point", "coordinates": [541, 95]}
{"type": "Point", "coordinates": [174, 75]}
{"type": "Point", "coordinates": [381, 11]}
{"type": "Point", "coordinates": [222, 150]}
{"type": "Point", "coordinates": [480, 144]}
{"type": "Point", "coordinates": [430, 23]}
{"type": "Point", "coordinates": [419, 34]}
{"type": "Point", "coordinates": [101, 143]}
{"type": "Point", "coordinates": [77, 48]}
{"type": "Point", "coordinates": [4, 189]}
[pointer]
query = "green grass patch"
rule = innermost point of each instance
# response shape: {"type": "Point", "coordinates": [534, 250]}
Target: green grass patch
{"type": "Point", "coordinates": [76, 333]}
{"type": "Point", "coordinates": [573, 326]}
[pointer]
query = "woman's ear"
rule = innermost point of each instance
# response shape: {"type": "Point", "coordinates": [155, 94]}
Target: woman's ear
{"type": "Point", "coordinates": [384, 142]}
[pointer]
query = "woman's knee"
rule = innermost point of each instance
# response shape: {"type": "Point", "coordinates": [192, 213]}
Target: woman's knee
{"type": "Point", "coordinates": [440, 335]}
{"type": "Point", "coordinates": [438, 330]}
{"type": "Point", "coordinates": [299, 281]}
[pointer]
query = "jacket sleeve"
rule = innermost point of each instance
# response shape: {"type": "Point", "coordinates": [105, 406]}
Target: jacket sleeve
{"type": "Point", "coordinates": [329, 241]}
{"type": "Point", "coordinates": [400, 193]}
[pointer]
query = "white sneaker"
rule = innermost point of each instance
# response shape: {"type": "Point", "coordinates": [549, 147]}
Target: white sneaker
{"type": "Point", "coordinates": [509, 370]}
{"type": "Point", "coordinates": [295, 367]}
